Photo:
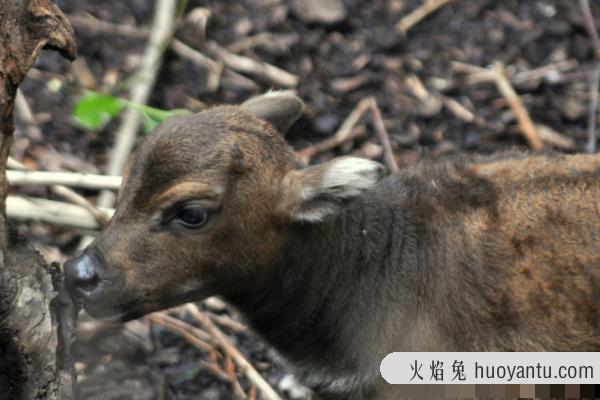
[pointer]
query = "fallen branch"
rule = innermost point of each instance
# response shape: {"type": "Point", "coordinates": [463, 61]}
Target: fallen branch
{"type": "Point", "coordinates": [593, 111]}
{"type": "Point", "coordinates": [89, 22]}
{"type": "Point", "coordinates": [593, 108]}
{"type": "Point", "coordinates": [263, 387]}
{"type": "Point", "coordinates": [53, 212]}
{"type": "Point", "coordinates": [469, 69]}
{"type": "Point", "coordinates": [161, 33]}
{"type": "Point", "coordinates": [429, 104]}
{"type": "Point", "coordinates": [201, 341]}
{"type": "Point", "coordinates": [525, 123]}
{"type": "Point", "coordinates": [213, 67]}
{"type": "Point", "coordinates": [589, 25]}
{"type": "Point", "coordinates": [388, 153]}
{"type": "Point", "coordinates": [458, 109]}
{"type": "Point", "coordinates": [550, 73]}
{"type": "Point", "coordinates": [223, 376]}
{"type": "Point", "coordinates": [497, 75]}
{"type": "Point", "coordinates": [552, 138]}
{"type": "Point", "coordinates": [227, 322]}
{"type": "Point", "coordinates": [343, 134]}
{"type": "Point", "coordinates": [72, 179]}
{"type": "Point", "coordinates": [75, 198]}
{"type": "Point", "coordinates": [64, 192]}
{"type": "Point", "coordinates": [250, 66]}
{"type": "Point", "coordinates": [194, 336]}
{"type": "Point", "coordinates": [26, 115]}
{"type": "Point", "coordinates": [420, 13]}
{"type": "Point", "coordinates": [273, 41]}
{"type": "Point", "coordinates": [232, 79]}
{"type": "Point", "coordinates": [230, 371]}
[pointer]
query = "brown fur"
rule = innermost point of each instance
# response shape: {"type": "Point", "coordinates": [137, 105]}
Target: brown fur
{"type": "Point", "coordinates": [497, 253]}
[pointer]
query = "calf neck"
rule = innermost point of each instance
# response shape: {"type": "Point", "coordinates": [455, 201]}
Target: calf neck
{"type": "Point", "coordinates": [335, 265]}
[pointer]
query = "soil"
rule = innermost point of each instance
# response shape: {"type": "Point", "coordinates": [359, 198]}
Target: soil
{"type": "Point", "coordinates": [339, 62]}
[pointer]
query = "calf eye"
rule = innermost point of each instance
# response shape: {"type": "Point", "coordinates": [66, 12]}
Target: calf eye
{"type": "Point", "coordinates": [192, 216]}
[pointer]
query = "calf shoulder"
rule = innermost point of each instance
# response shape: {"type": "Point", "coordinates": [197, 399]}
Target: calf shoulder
{"type": "Point", "coordinates": [514, 245]}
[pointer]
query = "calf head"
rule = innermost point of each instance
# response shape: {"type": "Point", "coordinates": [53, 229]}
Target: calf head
{"type": "Point", "coordinates": [207, 202]}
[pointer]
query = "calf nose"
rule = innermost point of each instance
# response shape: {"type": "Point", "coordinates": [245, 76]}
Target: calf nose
{"type": "Point", "coordinates": [82, 273]}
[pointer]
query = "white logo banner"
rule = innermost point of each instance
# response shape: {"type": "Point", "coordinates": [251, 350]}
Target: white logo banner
{"type": "Point", "coordinates": [491, 368]}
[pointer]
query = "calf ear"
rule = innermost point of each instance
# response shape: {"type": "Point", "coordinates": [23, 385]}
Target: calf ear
{"type": "Point", "coordinates": [281, 109]}
{"type": "Point", "coordinates": [313, 193]}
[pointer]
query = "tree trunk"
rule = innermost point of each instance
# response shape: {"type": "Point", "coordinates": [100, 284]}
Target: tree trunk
{"type": "Point", "coordinates": [35, 331]}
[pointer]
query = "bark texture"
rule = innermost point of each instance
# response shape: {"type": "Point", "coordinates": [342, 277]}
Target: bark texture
{"type": "Point", "coordinates": [30, 367]}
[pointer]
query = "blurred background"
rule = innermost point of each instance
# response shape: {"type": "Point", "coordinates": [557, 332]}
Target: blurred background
{"type": "Point", "coordinates": [397, 81]}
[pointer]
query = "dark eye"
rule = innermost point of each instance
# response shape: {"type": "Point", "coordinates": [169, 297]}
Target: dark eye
{"type": "Point", "coordinates": [192, 216]}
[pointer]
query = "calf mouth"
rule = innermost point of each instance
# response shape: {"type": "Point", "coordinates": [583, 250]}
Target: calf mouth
{"type": "Point", "coordinates": [105, 307]}
{"type": "Point", "coordinates": [110, 311]}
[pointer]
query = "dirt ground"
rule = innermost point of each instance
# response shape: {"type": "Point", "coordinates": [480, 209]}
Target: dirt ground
{"type": "Point", "coordinates": [430, 107]}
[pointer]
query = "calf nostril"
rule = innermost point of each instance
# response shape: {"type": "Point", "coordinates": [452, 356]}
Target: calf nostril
{"type": "Point", "coordinates": [87, 281]}
{"type": "Point", "coordinates": [81, 274]}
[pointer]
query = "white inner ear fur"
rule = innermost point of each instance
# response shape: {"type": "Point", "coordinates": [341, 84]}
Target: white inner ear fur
{"type": "Point", "coordinates": [275, 93]}
{"type": "Point", "coordinates": [353, 175]}
{"type": "Point", "coordinates": [339, 179]}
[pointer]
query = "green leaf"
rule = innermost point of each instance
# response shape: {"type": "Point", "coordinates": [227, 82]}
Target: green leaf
{"type": "Point", "coordinates": [95, 110]}
{"type": "Point", "coordinates": [154, 116]}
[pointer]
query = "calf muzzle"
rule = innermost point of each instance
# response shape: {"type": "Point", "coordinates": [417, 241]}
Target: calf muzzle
{"type": "Point", "coordinates": [83, 274]}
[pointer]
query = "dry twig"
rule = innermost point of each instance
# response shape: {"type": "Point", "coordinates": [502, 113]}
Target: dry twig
{"type": "Point", "coordinates": [73, 197]}
{"type": "Point", "coordinates": [62, 191]}
{"type": "Point", "coordinates": [429, 104]}
{"type": "Point", "coordinates": [550, 73]}
{"type": "Point", "coordinates": [194, 336]}
{"type": "Point", "coordinates": [589, 24]}
{"type": "Point", "coordinates": [228, 322]}
{"type": "Point", "coordinates": [250, 66]}
{"type": "Point", "coordinates": [246, 368]}
{"type": "Point", "coordinates": [183, 50]}
{"type": "Point", "coordinates": [26, 115]}
{"type": "Point", "coordinates": [230, 370]}
{"type": "Point", "coordinates": [273, 41]}
{"type": "Point", "coordinates": [343, 134]}
{"type": "Point", "coordinates": [53, 212]}
{"type": "Point", "coordinates": [388, 153]}
{"type": "Point", "coordinates": [215, 370]}
{"type": "Point", "coordinates": [161, 34]}
{"type": "Point", "coordinates": [497, 75]}
{"type": "Point", "coordinates": [593, 110]}
{"type": "Point", "coordinates": [202, 341]}
{"type": "Point", "coordinates": [72, 179]}
{"type": "Point", "coordinates": [91, 23]}
{"type": "Point", "coordinates": [458, 109]}
{"type": "Point", "coordinates": [525, 122]}
{"type": "Point", "coordinates": [552, 138]}
{"type": "Point", "coordinates": [420, 13]}
{"type": "Point", "coordinates": [214, 68]}
{"type": "Point", "coordinates": [235, 62]}
{"type": "Point", "coordinates": [223, 376]}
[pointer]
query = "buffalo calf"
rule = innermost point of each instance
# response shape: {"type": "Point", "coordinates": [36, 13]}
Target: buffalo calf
{"type": "Point", "coordinates": [336, 265]}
